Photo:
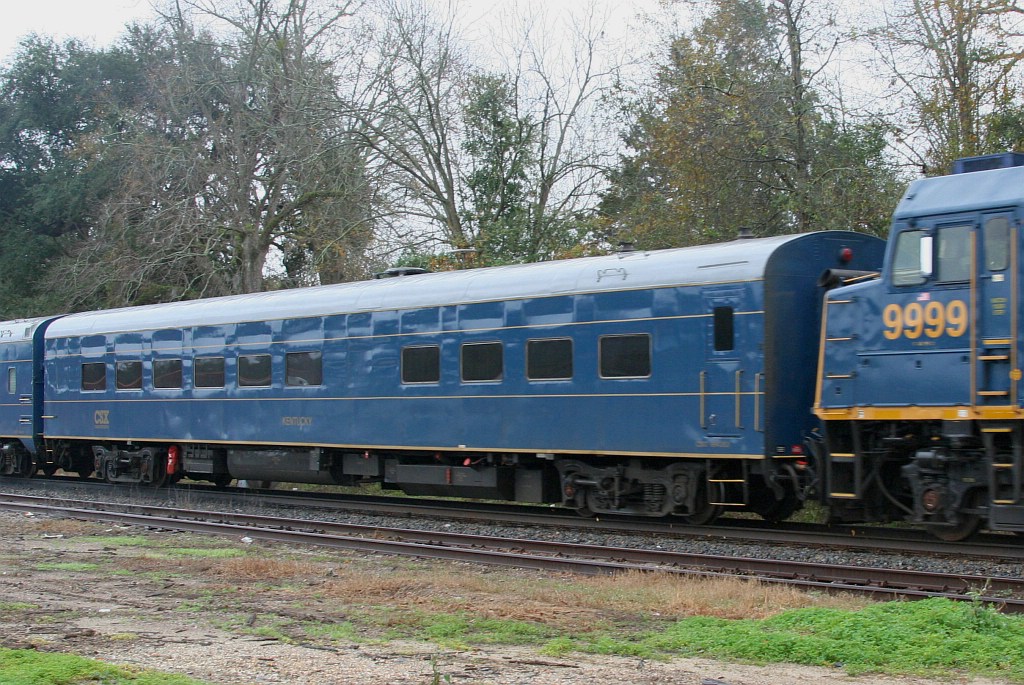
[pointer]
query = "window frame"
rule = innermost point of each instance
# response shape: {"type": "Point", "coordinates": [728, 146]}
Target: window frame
{"type": "Point", "coordinates": [247, 381]}
{"type": "Point", "coordinates": [136, 377]}
{"type": "Point", "coordinates": [180, 374]}
{"type": "Point", "coordinates": [436, 362]}
{"type": "Point", "coordinates": [487, 363]}
{"type": "Point", "coordinates": [601, 355]}
{"type": "Point", "coordinates": [197, 361]}
{"type": "Point", "coordinates": [12, 380]}
{"type": "Point", "coordinates": [288, 365]}
{"type": "Point", "coordinates": [98, 386]}
{"type": "Point", "coordinates": [541, 341]}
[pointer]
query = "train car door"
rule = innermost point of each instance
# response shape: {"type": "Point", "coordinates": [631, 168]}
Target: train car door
{"type": "Point", "coordinates": [721, 379]}
{"type": "Point", "coordinates": [996, 374]}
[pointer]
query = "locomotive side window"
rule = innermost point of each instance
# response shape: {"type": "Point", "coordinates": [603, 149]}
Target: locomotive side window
{"type": "Point", "coordinates": [94, 376]}
{"type": "Point", "coordinates": [906, 262]}
{"type": "Point", "coordinates": [12, 380]}
{"type": "Point", "coordinates": [209, 372]}
{"type": "Point", "coordinates": [167, 373]}
{"type": "Point", "coordinates": [997, 243]}
{"type": "Point", "coordinates": [128, 375]}
{"type": "Point", "coordinates": [625, 356]}
{"type": "Point", "coordinates": [725, 334]}
{"type": "Point", "coordinates": [254, 370]}
{"type": "Point", "coordinates": [304, 368]}
{"type": "Point", "coordinates": [548, 360]}
{"type": "Point", "coordinates": [482, 361]}
{"type": "Point", "coordinates": [421, 364]}
{"type": "Point", "coordinates": [953, 245]}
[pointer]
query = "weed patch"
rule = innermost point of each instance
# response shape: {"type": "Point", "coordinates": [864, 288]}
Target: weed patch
{"type": "Point", "coordinates": [29, 667]}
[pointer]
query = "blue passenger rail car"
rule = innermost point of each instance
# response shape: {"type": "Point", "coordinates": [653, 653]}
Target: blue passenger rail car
{"type": "Point", "coordinates": [920, 391]}
{"type": "Point", "coordinates": [21, 398]}
{"type": "Point", "coordinates": [677, 381]}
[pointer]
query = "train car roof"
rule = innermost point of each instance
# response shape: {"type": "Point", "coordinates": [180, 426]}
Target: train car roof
{"type": "Point", "coordinates": [21, 330]}
{"type": "Point", "coordinates": [962, 193]}
{"type": "Point", "coordinates": [736, 261]}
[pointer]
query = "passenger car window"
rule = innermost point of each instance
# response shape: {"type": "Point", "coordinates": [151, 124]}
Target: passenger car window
{"type": "Point", "coordinates": [128, 375]}
{"type": "Point", "coordinates": [482, 361]}
{"type": "Point", "coordinates": [94, 376]}
{"type": "Point", "coordinates": [209, 372]}
{"type": "Point", "coordinates": [625, 356]}
{"type": "Point", "coordinates": [421, 364]}
{"type": "Point", "coordinates": [254, 370]}
{"type": "Point", "coordinates": [167, 373]}
{"type": "Point", "coordinates": [548, 360]}
{"type": "Point", "coordinates": [304, 368]}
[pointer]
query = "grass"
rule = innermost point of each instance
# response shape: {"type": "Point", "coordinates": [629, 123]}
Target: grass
{"type": "Point", "coordinates": [29, 667]}
{"type": "Point", "coordinates": [312, 597]}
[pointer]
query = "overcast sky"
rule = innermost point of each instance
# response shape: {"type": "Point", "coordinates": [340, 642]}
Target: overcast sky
{"type": "Point", "coordinates": [101, 21]}
{"type": "Point", "coordinates": [98, 21]}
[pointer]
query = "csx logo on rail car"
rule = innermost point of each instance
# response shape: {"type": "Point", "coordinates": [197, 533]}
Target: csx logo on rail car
{"type": "Point", "coordinates": [297, 421]}
{"type": "Point", "coordinates": [931, 319]}
{"type": "Point", "coordinates": [101, 417]}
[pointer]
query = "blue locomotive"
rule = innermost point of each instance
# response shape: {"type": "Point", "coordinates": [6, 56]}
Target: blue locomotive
{"type": "Point", "coordinates": [644, 383]}
{"type": "Point", "coordinates": [919, 389]}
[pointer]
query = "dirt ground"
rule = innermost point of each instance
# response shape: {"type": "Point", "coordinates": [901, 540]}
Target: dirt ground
{"type": "Point", "coordinates": [279, 616]}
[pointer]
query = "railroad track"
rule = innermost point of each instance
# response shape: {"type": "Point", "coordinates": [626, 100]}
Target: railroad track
{"type": "Point", "coordinates": [1007, 593]}
{"type": "Point", "coordinates": [870, 538]}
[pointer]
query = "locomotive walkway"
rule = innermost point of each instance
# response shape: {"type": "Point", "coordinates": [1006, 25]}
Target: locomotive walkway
{"type": "Point", "coordinates": [1007, 593]}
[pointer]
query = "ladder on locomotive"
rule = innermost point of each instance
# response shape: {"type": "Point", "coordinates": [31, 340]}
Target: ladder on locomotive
{"type": "Point", "coordinates": [1005, 454]}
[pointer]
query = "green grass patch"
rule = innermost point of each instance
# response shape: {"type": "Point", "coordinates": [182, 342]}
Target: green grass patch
{"type": "Point", "coordinates": [458, 630]}
{"type": "Point", "coordinates": [336, 632]}
{"type": "Point", "coordinates": [928, 637]}
{"type": "Point", "coordinates": [28, 667]}
{"type": "Point", "coordinates": [17, 606]}
{"type": "Point", "coordinates": [67, 566]}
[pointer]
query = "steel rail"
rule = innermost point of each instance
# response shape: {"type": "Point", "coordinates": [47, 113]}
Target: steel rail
{"type": "Point", "coordinates": [541, 555]}
{"type": "Point", "coordinates": [863, 537]}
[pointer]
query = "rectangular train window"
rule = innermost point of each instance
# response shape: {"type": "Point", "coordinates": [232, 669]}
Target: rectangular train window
{"type": "Point", "coordinates": [209, 372]}
{"type": "Point", "coordinates": [548, 360]}
{"type": "Point", "coordinates": [421, 364]}
{"type": "Point", "coordinates": [482, 361]}
{"type": "Point", "coordinates": [12, 380]}
{"type": "Point", "coordinates": [953, 257]}
{"type": "Point", "coordinates": [725, 332]}
{"type": "Point", "coordinates": [128, 375]}
{"type": "Point", "coordinates": [167, 373]}
{"type": "Point", "coordinates": [906, 261]}
{"type": "Point", "coordinates": [304, 369]}
{"type": "Point", "coordinates": [254, 370]}
{"type": "Point", "coordinates": [625, 356]}
{"type": "Point", "coordinates": [94, 376]}
{"type": "Point", "coordinates": [997, 243]}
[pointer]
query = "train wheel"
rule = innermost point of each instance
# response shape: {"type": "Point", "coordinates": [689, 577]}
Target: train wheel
{"type": "Point", "coordinates": [704, 512]}
{"type": "Point", "coordinates": [966, 525]}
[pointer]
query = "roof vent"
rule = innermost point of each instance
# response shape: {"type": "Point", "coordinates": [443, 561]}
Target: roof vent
{"type": "Point", "coordinates": [745, 233]}
{"type": "Point", "coordinates": [1003, 160]}
{"type": "Point", "coordinates": [396, 271]}
{"type": "Point", "coordinates": [626, 246]}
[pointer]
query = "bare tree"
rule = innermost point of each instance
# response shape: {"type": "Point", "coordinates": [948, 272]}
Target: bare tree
{"type": "Point", "coordinates": [953, 63]}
